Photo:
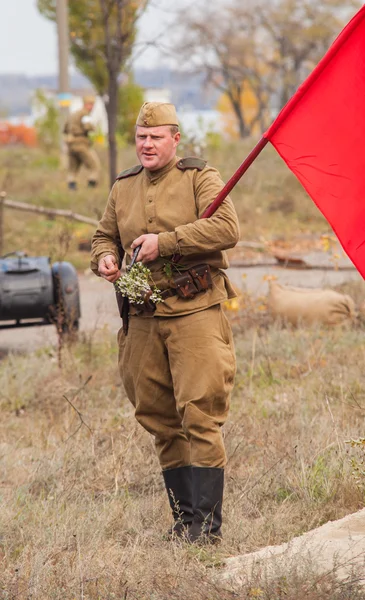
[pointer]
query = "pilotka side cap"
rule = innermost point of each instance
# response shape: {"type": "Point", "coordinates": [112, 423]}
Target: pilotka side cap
{"type": "Point", "coordinates": [154, 114]}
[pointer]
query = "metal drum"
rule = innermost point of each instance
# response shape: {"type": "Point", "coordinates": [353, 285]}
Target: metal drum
{"type": "Point", "coordinates": [33, 291]}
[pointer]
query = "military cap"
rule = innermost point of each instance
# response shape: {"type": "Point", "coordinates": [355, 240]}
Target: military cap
{"type": "Point", "coordinates": [154, 114]}
{"type": "Point", "coordinates": [88, 99]}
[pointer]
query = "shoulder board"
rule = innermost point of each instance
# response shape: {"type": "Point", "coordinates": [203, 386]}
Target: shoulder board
{"type": "Point", "coordinates": [130, 172]}
{"type": "Point", "coordinates": [191, 163]}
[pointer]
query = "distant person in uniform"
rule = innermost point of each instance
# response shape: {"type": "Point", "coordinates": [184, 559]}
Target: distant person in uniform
{"type": "Point", "coordinates": [76, 131]}
{"type": "Point", "coordinates": [178, 362]}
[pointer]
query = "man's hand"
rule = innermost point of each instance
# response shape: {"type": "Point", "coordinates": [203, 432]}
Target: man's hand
{"type": "Point", "coordinates": [149, 250]}
{"type": "Point", "coordinates": [108, 268]}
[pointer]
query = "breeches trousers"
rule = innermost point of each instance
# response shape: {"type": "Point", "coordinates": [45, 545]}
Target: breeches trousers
{"type": "Point", "coordinates": [178, 372]}
{"type": "Point", "coordinates": [83, 156]}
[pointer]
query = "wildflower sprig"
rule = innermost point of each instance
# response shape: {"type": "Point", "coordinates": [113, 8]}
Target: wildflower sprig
{"type": "Point", "coordinates": [136, 285]}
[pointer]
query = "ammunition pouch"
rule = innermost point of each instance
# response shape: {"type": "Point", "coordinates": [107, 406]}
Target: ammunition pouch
{"type": "Point", "coordinates": [202, 277]}
{"type": "Point", "coordinates": [189, 283]}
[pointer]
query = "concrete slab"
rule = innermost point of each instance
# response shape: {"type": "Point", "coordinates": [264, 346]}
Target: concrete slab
{"type": "Point", "coordinates": [337, 547]}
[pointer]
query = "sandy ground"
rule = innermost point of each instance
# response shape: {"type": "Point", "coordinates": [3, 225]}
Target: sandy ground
{"type": "Point", "coordinates": [99, 309]}
{"type": "Point", "coordinates": [337, 547]}
{"type": "Point", "coordinates": [254, 279]}
{"type": "Point", "coordinates": [341, 542]}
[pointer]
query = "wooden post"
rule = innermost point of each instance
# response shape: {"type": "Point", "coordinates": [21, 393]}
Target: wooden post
{"type": "Point", "coordinates": [2, 227]}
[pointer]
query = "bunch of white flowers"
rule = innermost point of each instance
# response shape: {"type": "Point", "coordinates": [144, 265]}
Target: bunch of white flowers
{"type": "Point", "coordinates": [135, 285]}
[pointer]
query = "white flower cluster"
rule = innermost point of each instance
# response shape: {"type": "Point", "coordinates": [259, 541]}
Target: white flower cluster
{"type": "Point", "coordinates": [134, 285]}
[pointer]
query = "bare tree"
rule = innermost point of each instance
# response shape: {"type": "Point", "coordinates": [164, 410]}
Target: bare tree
{"type": "Point", "coordinates": [230, 47]}
{"type": "Point", "coordinates": [118, 38]}
{"type": "Point", "coordinates": [299, 33]}
{"type": "Point", "coordinates": [265, 47]}
{"type": "Point", "coordinates": [219, 48]}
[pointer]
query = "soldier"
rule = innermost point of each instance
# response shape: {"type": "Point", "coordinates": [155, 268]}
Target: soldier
{"type": "Point", "coordinates": [76, 132]}
{"type": "Point", "coordinates": [178, 362]}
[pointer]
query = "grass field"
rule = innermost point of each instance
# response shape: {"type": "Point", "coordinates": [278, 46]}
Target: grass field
{"type": "Point", "coordinates": [83, 510]}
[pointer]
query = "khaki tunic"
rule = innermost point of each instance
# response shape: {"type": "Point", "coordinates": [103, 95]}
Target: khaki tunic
{"type": "Point", "coordinates": [169, 203]}
{"type": "Point", "coordinates": [76, 135]}
{"type": "Point", "coordinates": [178, 367]}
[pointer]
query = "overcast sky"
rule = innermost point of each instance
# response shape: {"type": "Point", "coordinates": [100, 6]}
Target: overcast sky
{"type": "Point", "coordinates": [28, 42]}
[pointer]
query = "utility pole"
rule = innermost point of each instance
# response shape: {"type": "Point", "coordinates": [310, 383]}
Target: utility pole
{"type": "Point", "coordinates": [64, 96]}
{"type": "Point", "coordinates": [2, 227]}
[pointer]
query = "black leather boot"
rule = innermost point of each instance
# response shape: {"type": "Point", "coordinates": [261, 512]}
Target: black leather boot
{"type": "Point", "coordinates": [72, 185]}
{"type": "Point", "coordinates": [208, 483]}
{"type": "Point", "coordinates": [91, 183]}
{"type": "Point", "coordinates": [178, 484]}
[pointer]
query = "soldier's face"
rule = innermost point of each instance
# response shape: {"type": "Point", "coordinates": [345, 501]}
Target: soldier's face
{"type": "Point", "coordinates": [156, 146]}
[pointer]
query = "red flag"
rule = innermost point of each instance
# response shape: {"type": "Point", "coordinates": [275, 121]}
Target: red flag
{"type": "Point", "coordinates": [320, 134]}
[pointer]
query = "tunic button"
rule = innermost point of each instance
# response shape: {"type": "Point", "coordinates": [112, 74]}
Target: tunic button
{"type": "Point", "coordinates": [150, 220]}
{"type": "Point", "coordinates": [154, 182]}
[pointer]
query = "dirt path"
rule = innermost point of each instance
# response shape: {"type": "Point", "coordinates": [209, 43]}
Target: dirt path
{"type": "Point", "coordinates": [254, 278]}
{"type": "Point", "coordinates": [99, 309]}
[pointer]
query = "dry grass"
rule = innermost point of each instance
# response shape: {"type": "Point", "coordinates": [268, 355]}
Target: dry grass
{"type": "Point", "coordinates": [82, 504]}
{"type": "Point", "coordinates": [83, 509]}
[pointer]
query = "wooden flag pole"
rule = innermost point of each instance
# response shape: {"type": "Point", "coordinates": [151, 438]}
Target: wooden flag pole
{"type": "Point", "coordinates": [230, 185]}
{"type": "Point", "coordinates": [235, 178]}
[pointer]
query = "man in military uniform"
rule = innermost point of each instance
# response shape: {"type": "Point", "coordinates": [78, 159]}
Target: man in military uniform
{"type": "Point", "coordinates": [177, 363]}
{"type": "Point", "coordinates": [76, 135]}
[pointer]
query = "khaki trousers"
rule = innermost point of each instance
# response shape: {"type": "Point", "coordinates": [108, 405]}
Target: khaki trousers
{"type": "Point", "coordinates": [178, 372]}
{"type": "Point", "coordinates": [83, 156]}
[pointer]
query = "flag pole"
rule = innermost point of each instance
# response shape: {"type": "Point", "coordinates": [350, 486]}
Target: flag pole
{"type": "Point", "coordinates": [229, 185]}
{"type": "Point", "coordinates": [235, 178]}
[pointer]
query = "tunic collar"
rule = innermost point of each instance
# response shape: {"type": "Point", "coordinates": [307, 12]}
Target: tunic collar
{"type": "Point", "coordinates": [155, 175]}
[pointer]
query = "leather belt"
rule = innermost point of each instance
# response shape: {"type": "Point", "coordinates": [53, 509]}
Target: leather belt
{"type": "Point", "coordinates": [168, 293]}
